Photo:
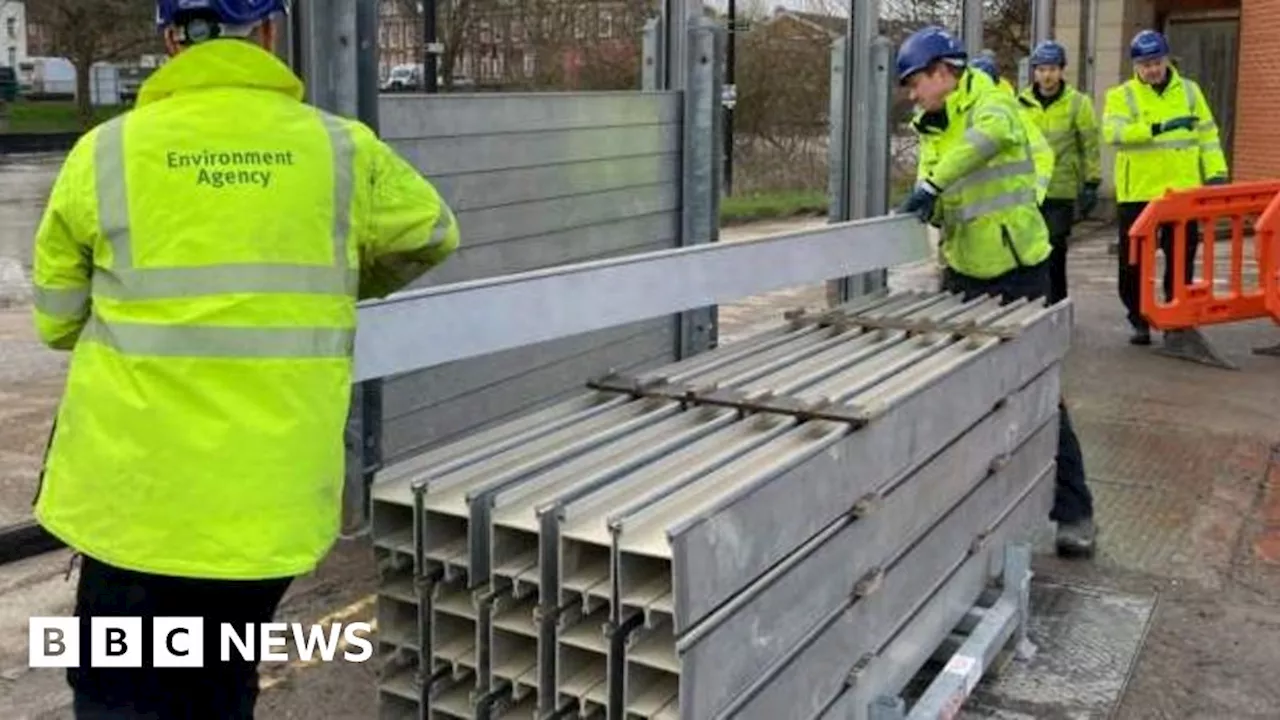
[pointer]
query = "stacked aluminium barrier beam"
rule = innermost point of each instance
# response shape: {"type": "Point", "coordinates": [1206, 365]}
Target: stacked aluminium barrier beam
{"type": "Point", "coordinates": [779, 528]}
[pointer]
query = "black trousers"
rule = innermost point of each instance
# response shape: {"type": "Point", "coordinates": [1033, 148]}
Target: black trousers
{"type": "Point", "coordinates": [225, 691]}
{"type": "Point", "coordinates": [1130, 276]}
{"type": "Point", "coordinates": [1059, 215]}
{"type": "Point", "coordinates": [1072, 500]}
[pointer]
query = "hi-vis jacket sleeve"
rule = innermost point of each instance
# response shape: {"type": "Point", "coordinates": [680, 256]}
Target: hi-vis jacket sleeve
{"type": "Point", "coordinates": [1213, 162]}
{"type": "Point", "coordinates": [995, 127]}
{"type": "Point", "coordinates": [62, 258]}
{"type": "Point", "coordinates": [412, 228]}
{"type": "Point", "coordinates": [1121, 124]}
{"type": "Point", "coordinates": [1086, 124]}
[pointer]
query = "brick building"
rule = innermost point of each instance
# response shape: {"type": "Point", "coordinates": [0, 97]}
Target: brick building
{"type": "Point", "coordinates": [1257, 139]}
{"type": "Point", "coordinates": [511, 44]}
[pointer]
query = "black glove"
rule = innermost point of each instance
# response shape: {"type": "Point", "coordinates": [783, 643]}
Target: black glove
{"type": "Point", "coordinates": [1088, 198]}
{"type": "Point", "coordinates": [921, 201]}
{"type": "Point", "coordinates": [1186, 122]}
{"type": "Point", "coordinates": [1216, 180]}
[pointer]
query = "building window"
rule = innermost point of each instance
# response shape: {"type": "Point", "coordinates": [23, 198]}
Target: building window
{"type": "Point", "coordinates": [13, 57]}
{"type": "Point", "coordinates": [606, 24]}
{"type": "Point", "coordinates": [11, 27]}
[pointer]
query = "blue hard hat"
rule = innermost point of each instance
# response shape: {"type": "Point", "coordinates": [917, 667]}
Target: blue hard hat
{"type": "Point", "coordinates": [227, 12]}
{"type": "Point", "coordinates": [1148, 45]}
{"type": "Point", "coordinates": [986, 65]}
{"type": "Point", "coordinates": [925, 47]}
{"type": "Point", "coordinates": [1049, 53]}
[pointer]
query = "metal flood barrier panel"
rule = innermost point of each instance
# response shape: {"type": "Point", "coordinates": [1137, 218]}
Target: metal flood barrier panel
{"type": "Point", "coordinates": [537, 180]}
{"type": "Point", "coordinates": [739, 534]}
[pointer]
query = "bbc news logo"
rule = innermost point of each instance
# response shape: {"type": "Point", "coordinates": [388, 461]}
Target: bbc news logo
{"type": "Point", "coordinates": [180, 642]}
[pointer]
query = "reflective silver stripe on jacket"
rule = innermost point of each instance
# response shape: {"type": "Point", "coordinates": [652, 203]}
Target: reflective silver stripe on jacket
{"type": "Point", "coordinates": [1157, 144]}
{"type": "Point", "coordinates": [996, 172]}
{"type": "Point", "coordinates": [72, 303]}
{"type": "Point", "coordinates": [1013, 198]}
{"type": "Point", "coordinates": [977, 208]}
{"type": "Point", "coordinates": [206, 341]}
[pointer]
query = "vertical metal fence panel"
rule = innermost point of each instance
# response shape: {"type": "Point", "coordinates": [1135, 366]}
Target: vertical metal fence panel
{"type": "Point", "coordinates": [537, 180]}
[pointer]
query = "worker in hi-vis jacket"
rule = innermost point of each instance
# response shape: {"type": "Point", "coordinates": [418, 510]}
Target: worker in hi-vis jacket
{"type": "Point", "coordinates": [201, 257]}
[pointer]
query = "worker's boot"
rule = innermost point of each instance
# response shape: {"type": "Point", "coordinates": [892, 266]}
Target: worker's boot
{"type": "Point", "coordinates": [1076, 539]}
{"type": "Point", "coordinates": [1140, 336]}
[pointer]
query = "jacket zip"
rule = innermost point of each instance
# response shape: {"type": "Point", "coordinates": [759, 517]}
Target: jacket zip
{"type": "Point", "coordinates": [1008, 243]}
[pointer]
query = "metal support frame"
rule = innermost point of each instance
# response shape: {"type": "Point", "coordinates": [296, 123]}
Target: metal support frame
{"type": "Point", "coordinates": [685, 51]}
{"type": "Point", "coordinates": [861, 99]}
{"type": "Point", "coordinates": [653, 66]}
{"type": "Point", "coordinates": [1042, 15]}
{"type": "Point", "coordinates": [1088, 60]}
{"type": "Point", "coordinates": [1001, 626]}
{"type": "Point", "coordinates": [1041, 21]}
{"type": "Point", "coordinates": [971, 26]}
{"type": "Point", "coordinates": [333, 45]}
{"type": "Point", "coordinates": [702, 164]}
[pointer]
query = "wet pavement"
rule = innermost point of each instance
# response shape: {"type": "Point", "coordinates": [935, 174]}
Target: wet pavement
{"type": "Point", "coordinates": [1182, 459]}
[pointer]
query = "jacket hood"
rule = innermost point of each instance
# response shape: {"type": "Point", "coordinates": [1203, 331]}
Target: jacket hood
{"type": "Point", "coordinates": [221, 64]}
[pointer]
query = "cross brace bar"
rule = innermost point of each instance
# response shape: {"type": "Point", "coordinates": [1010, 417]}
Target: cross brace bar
{"type": "Point", "coordinates": [433, 326]}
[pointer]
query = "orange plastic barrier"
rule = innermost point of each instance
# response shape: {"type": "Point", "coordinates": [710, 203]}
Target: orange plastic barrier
{"type": "Point", "coordinates": [1200, 303]}
{"type": "Point", "coordinates": [1269, 262]}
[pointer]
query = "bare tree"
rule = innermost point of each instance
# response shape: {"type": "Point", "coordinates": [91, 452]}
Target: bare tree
{"type": "Point", "coordinates": [91, 31]}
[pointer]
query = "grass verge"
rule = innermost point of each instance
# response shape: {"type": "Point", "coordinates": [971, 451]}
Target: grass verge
{"type": "Point", "coordinates": [737, 209]}
{"type": "Point", "coordinates": [53, 116]}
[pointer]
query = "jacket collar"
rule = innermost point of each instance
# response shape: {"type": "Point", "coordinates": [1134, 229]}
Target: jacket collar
{"type": "Point", "coordinates": [970, 86]}
{"type": "Point", "coordinates": [221, 64]}
{"type": "Point", "coordinates": [1031, 98]}
{"type": "Point", "coordinates": [1174, 80]}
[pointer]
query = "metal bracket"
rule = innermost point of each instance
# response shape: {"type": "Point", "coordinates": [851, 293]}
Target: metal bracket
{"type": "Point", "coordinates": [1003, 628]}
{"type": "Point", "coordinates": [702, 172]}
{"type": "Point", "coordinates": [727, 397]}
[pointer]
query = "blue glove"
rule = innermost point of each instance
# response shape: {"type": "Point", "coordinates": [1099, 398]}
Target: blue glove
{"type": "Point", "coordinates": [1217, 180]}
{"type": "Point", "coordinates": [1186, 122]}
{"type": "Point", "coordinates": [921, 201]}
{"type": "Point", "coordinates": [1088, 198]}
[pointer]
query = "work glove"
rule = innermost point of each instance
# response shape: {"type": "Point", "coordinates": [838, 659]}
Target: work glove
{"type": "Point", "coordinates": [1216, 180]}
{"type": "Point", "coordinates": [921, 201]}
{"type": "Point", "coordinates": [1186, 122]}
{"type": "Point", "coordinates": [1088, 198]}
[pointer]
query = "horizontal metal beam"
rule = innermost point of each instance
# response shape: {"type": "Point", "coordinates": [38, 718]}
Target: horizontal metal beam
{"type": "Point", "coordinates": [433, 326]}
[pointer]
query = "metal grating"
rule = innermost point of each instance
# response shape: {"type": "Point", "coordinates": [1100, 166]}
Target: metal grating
{"type": "Point", "coordinates": [727, 535]}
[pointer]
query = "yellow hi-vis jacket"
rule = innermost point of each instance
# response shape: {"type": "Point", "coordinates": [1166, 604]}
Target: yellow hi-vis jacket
{"type": "Point", "coordinates": [1069, 125]}
{"type": "Point", "coordinates": [1147, 165]}
{"type": "Point", "coordinates": [202, 256]}
{"type": "Point", "coordinates": [1041, 153]}
{"type": "Point", "coordinates": [985, 164]}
